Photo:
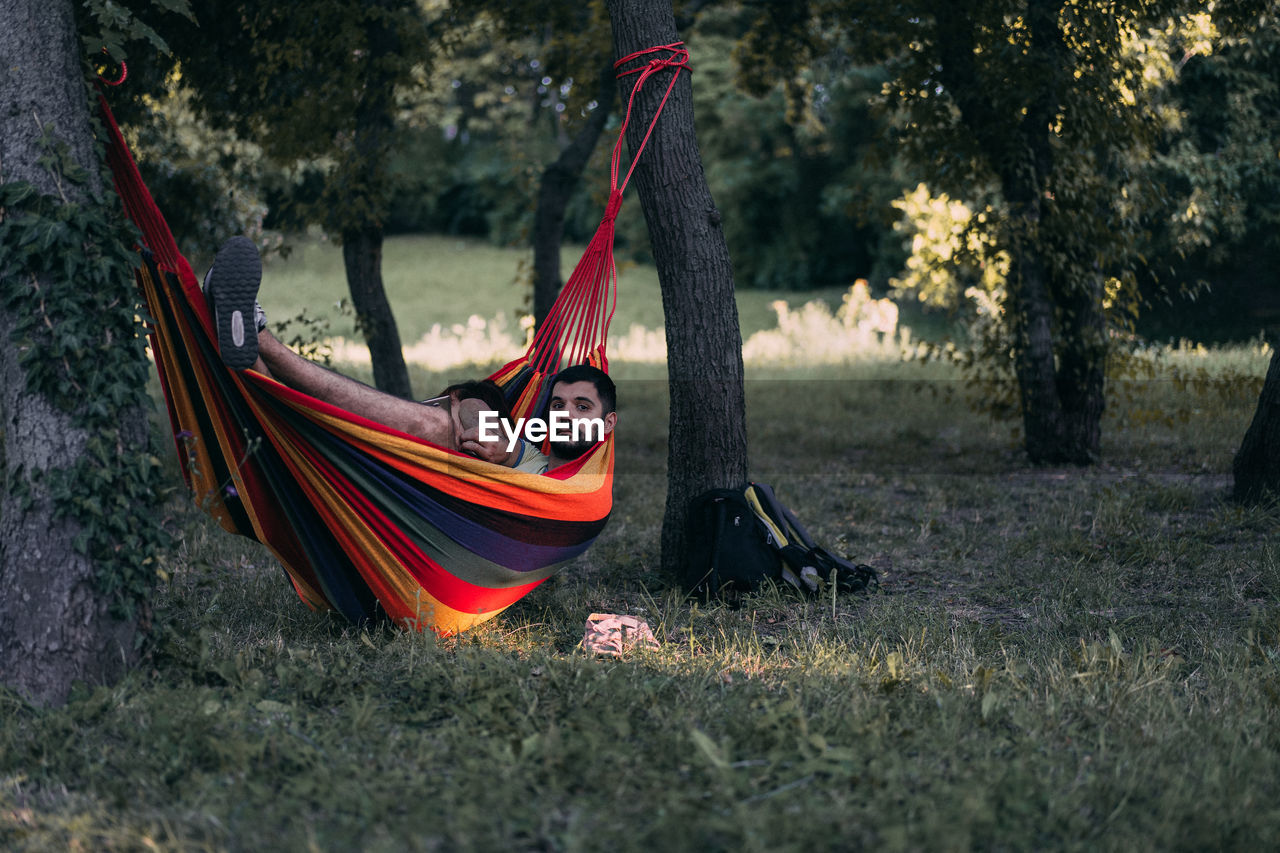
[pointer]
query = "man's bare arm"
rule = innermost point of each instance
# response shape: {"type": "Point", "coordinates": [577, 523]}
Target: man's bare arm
{"type": "Point", "coordinates": [286, 366]}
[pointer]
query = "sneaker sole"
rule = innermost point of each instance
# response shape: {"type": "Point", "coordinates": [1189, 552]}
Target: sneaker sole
{"type": "Point", "coordinates": [233, 283]}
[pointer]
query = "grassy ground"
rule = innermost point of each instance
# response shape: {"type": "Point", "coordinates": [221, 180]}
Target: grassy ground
{"type": "Point", "coordinates": [422, 275]}
{"type": "Point", "coordinates": [1055, 658]}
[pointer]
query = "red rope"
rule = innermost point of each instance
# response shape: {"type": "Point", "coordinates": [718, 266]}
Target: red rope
{"type": "Point", "coordinates": [577, 326]}
{"type": "Point", "coordinates": [677, 58]}
{"type": "Point", "coordinates": [139, 205]}
{"type": "Point", "coordinates": [124, 73]}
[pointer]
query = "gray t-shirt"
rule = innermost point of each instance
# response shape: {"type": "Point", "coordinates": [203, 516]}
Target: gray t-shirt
{"type": "Point", "coordinates": [532, 460]}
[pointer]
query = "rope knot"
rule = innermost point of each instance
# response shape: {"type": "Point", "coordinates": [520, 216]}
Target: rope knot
{"type": "Point", "coordinates": [678, 58]}
{"type": "Point", "coordinates": [124, 70]}
{"type": "Point", "coordinates": [615, 204]}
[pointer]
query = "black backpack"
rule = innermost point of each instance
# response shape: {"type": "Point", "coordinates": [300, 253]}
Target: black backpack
{"type": "Point", "coordinates": [728, 549]}
{"type": "Point", "coordinates": [739, 538]}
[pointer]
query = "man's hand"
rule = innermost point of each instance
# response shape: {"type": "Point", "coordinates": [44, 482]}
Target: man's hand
{"type": "Point", "coordinates": [467, 424]}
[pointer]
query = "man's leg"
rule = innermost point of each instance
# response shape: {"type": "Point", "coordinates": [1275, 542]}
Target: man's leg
{"type": "Point", "coordinates": [434, 424]}
{"type": "Point", "coordinates": [232, 289]}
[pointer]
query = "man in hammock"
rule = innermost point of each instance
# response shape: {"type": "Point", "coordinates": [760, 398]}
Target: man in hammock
{"type": "Point", "coordinates": [231, 286]}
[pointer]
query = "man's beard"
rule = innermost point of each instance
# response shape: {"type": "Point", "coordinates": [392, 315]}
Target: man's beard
{"type": "Point", "coordinates": [570, 450]}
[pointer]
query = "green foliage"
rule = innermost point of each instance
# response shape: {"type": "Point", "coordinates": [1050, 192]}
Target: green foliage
{"type": "Point", "coordinates": [803, 200]}
{"type": "Point", "coordinates": [315, 83]}
{"type": "Point", "coordinates": [470, 160]}
{"type": "Point", "coordinates": [1047, 120]}
{"type": "Point", "coordinates": [109, 26]}
{"type": "Point", "coordinates": [1215, 236]}
{"type": "Point", "coordinates": [495, 111]}
{"type": "Point", "coordinates": [1198, 381]}
{"type": "Point", "coordinates": [569, 41]}
{"type": "Point", "coordinates": [954, 265]}
{"type": "Point", "coordinates": [952, 258]}
{"type": "Point", "coordinates": [209, 183]}
{"type": "Point", "coordinates": [69, 285]}
{"type": "Point", "coordinates": [309, 334]}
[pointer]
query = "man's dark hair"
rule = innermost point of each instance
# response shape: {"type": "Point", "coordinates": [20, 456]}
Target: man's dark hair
{"type": "Point", "coordinates": [486, 391]}
{"type": "Point", "coordinates": [604, 386]}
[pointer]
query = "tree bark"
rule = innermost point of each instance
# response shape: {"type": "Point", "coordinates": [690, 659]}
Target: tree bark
{"type": "Point", "coordinates": [1082, 365]}
{"type": "Point", "coordinates": [54, 628]}
{"type": "Point", "coordinates": [708, 440]}
{"type": "Point", "coordinates": [1256, 467]}
{"type": "Point", "coordinates": [558, 183]}
{"type": "Point", "coordinates": [1032, 318]}
{"type": "Point", "coordinates": [1065, 426]}
{"type": "Point", "coordinates": [362, 257]}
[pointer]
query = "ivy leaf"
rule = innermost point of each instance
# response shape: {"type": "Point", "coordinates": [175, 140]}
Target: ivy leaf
{"type": "Point", "coordinates": [14, 194]}
{"type": "Point", "coordinates": [179, 7]}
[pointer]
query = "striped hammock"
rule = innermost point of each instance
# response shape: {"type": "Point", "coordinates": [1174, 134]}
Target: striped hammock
{"type": "Point", "coordinates": [366, 520]}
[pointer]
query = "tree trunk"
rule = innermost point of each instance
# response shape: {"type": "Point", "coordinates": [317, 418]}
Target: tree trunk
{"type": "Point", "coordinates": [362, 256]}
{"type": "Point", "coordinates": [1032, 316]}
{"type": "Point", "coordinates": [54, 627]}
{"type": "Point", "coordinates": [1067, 371]}
{"type": "Point", "coordinates": [1082, 368]}
{"type": "Point", "coordinates": [1060, 332]}
{"type": "Point", "coordinates": [708, 438]}
{"type": "Point", "coordinates": [1257, 464]}
{"type": "Point", "coordinates": [558, 183]}
{"type": "Point", "coordinates": [362, 237]}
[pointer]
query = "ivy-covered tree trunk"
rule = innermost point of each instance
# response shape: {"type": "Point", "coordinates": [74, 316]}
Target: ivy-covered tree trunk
{"type": "Point", "coordinates": [1257, 463]}
{"type": "Point", "coordinates": [558, 183]}
{"type": "Point", "coordinates": [707, 444]}
{"type": "Point", "coordinates": [77, 509]}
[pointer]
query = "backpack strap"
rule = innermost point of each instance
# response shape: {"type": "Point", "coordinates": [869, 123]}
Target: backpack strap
{"type": "Point", "coordinates": [804, 561]}
{"type": "Point", "coordinates": [775, 508]}
{"type": "Point", "coordinates": [796, 567]}
{"type": "Point", "coordinates": [774, 525]}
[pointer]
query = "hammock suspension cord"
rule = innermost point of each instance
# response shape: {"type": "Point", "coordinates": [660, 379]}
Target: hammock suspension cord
{"type": "Point", "coordinates": [593, 283]}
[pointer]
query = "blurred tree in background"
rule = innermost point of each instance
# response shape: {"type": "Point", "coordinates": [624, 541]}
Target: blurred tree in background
{"type": "Point", "coordinates": [807, 197]}
{"type": "Point", "coordinates": [565, 70]}
{"type": "Point", "coordinates": [1214, 255]}
{"type": "Point", "coordinates": [805, 188]}
{"type": "Point", "coordinates": [1044, 118]}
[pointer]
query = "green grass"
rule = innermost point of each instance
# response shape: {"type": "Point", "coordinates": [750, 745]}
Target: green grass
{"type": "Point", "coordinates": [1055, 659]}
{"type": "Point", "coordinates": [446, 280]}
